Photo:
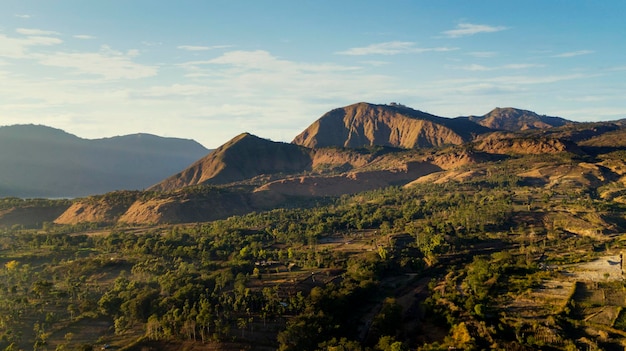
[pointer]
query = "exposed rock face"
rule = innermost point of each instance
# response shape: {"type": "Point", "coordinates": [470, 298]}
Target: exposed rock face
{"type": "Point", "coordinates": [513, 119]}
{"type": "Point", "coordinates": [366, 124]}
{"type": "Point", "coordinates": [507, 144]}
{"type": "Point", "coordinates": [243, 157]}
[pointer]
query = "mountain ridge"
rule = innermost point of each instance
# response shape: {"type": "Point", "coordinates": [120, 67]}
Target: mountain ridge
{"type": "Point", "coordinates": [514, 119]}
{"type": "Point", "coordinates": [41, 161]}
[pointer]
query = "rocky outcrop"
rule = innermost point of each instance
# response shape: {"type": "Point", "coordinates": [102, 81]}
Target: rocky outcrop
{"type": "Point", "coordinates": [364, 124]}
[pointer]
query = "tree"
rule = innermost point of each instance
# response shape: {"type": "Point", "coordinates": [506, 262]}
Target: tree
{"type": "Point", "coordinates": [388, 343]}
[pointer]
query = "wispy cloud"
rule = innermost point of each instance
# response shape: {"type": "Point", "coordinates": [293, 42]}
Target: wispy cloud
{"type": "Point", "coordinates": [575, 53]}
{"type": "Point", "coordinates": [23, 16]}
{"type": "Point", "coordinates": [512, 66]}
{"type": "Point", "coordinates": [202, 48]}
{"type": "Point", "coordinates": [107, 63]}
{"type": "Point", "coordinates": [483, 54]}
{"type": "Point", "coordinates": [263, 60]}
{"type": "Point", "coordinates": [18, 47]}
{"type": "Point", "coordinates": [35, 32]}
{"type": "Point", "coordinates": [391, 48]}
{"type": "Point", "coordinates": [465, 29]}
{"type": "Point", "coordinates": [84, 36]}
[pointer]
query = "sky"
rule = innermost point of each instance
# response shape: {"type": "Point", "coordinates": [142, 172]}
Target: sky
{"type": "Point", "coordinates": [209, 70]}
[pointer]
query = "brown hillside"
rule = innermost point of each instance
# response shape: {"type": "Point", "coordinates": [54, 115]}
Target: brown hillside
{"type": "Point", "coordinates": [501, 143]}
{"type": "Point", "coordinates": [513, 119]}
{"type": "Point", "coordinates": [243, 157]}
{"type": "Point", "coordinates": [90, 212]}
{"type": "Point", "coordinates": [98, 209]}
{"type": "Point", "coordinates": [328, 160]}
{"type": "Point", "coordinates": [366, 124]}
{"type": "Point", "coordinates": [179, 208]}
{"type": "Point", "coordinates": [348, 183]}
{"type": "Point", "coordinates": [612, 139]}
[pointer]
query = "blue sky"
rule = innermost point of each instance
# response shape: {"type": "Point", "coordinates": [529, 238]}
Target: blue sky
{"type": "Point", "coordinates": [209, 70]}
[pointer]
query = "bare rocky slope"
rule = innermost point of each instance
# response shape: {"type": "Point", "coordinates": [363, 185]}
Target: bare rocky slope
{"type": "Point", "coordinates": [364, 124]}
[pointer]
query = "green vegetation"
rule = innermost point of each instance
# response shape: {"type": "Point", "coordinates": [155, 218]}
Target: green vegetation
{"type": "Point", "coordinates": [483, 264]}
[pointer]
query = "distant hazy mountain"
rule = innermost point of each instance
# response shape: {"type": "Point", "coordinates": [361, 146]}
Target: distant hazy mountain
{"type": "Point", "coordinates": [394, 125]}
{"type": "Point", "coordinates": [513, 119]}
{"type": "Point", "coordinates": [39, 161]}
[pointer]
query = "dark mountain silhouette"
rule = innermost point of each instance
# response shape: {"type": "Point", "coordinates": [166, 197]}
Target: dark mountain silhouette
{"type": "Point", "coordinates": [364, 124]}
{"type": "Point", "coordinates": [39, 161]}
{"type": "Point", "coordinates": [513, 119]}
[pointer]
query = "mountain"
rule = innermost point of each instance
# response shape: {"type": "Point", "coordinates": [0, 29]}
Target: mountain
{"type": "Point", "coordinates": [243, 157]}
{"type": "Point", "coordinates": [513, 119]}
{"type": "Point", "coordinates": [354, 149]}
{"type": "Point", "coordinates": [40, 161]}
{"type": "Point", "coordinates": [394, 125]}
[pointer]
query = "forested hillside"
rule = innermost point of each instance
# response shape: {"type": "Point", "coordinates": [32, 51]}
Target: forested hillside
{"type": "Point", "coordinates": [496, 261]}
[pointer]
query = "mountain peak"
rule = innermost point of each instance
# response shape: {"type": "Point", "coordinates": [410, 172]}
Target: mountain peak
{"type": "Point", "coordinates": [515, 119]}
{"type": "Point", "coordinates": [243, 157]}
{"type": "Point", "coordinates": [364, 124]}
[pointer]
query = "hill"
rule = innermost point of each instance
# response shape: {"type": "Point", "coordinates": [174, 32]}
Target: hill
{"type": "Point", "coordinates": [364, 124]}
{"type": "Point", "coordinates": [513, 119]}
{"type": "Point", "coordinates": [40, 161]}
{"type": "Point", "coordinates": [243, 157]}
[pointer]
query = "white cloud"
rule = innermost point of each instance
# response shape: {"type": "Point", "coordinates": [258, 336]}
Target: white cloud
{"type": "Point", "coordinates": [18, 47]}
{"type": "Point", "coordinates": [465, 29]}
{"type": "Point", "coordinates": [107, 63]}
{"type": "Point", "coordinates": [22, 16]}
{"type": "Point", "coordinates": [84, 36]}
{"type": "Point", "coordinates": [202, 48]}
{"type": "Point", "coordinates": [46, 41]}
{"type": "Point", "coordinates": [263, 61]}
{"type": "Point", "coordinates": [35, 32]}
{"type": "Point", "coordinates": [575, 53]}
{"type": "Point", "coordinates": [391, 48]}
